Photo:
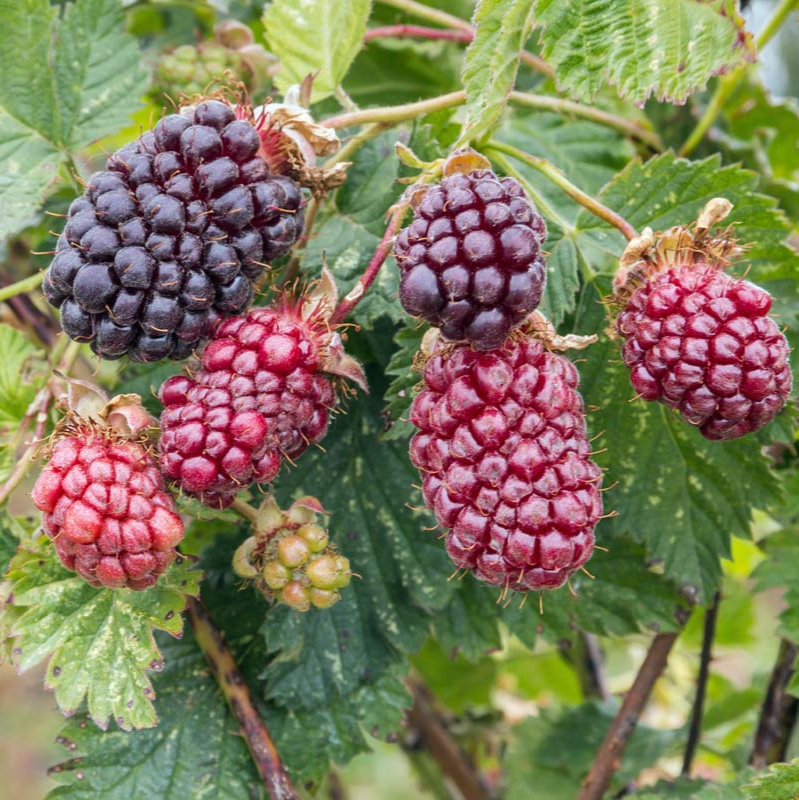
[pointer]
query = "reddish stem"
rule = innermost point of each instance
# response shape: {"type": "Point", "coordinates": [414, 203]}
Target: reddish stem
{"type": "Point", "coordinates": [220, 659]}
{"type": "Point", "coordinates": [417, 32]}
{"type": "Point", "coordinates": [358, 292]}
{"type": "Point", "coordinates": [609, 755]}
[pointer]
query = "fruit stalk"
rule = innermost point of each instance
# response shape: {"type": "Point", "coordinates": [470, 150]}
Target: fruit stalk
{"type": "Point", "coordinates": [264, 753]}
{"type": "Point", "coordinates": [609, 755]}
{"type": "Point", "coordinates": [450, 21]}
{"type": "Point", "coordinates": [728, 83]}
{"type": "Point", "coordinates": [447, 753]}
{"type": "Point", "coordinates": [356, 294]}
{"type": "Point", "coordinates": [388, 115]}
{"type": "Point", "coordinates": [552, 173]}
{"type": "Point", "coordinates": [695, 731]}
{"type": "Point", "coordinates": [779, 712]}
{"type": "Point", "coordinates": [25, 285]}
{"type": "Point", "coordinates": [417, 32]}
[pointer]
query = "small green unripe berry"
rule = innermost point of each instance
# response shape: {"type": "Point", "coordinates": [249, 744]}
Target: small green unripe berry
{"type": "Point", "coordinates": [323, 598]}
{"type": "Point", "coordinates": [293, 551]}
{"type": "Point", "coordinates": [344, 573]}
{"type": "Point", "coordinates": [296, 595]}
{"type": "Point", "coordinates": [276, 575]}
{"type": "Point", "coordinates": [315, 535]}
{"type": "Point", "coordinates": [323, 573]}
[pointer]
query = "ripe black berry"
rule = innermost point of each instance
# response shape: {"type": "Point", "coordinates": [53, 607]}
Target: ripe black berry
{"type": "Point", "coordinates": [471, 258]}
{"type": "Point", "coordinates": [167, 238]}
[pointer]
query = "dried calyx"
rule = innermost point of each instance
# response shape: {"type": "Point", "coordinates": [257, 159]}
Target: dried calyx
{"type": "Point", "coordinates": [118, 417]}
{"type": "Point", "coordinates": [683, 245]}
{"type": "Point", "coordinates": [289, 557]}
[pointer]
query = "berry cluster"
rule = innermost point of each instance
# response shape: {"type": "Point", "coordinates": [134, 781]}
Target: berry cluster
{"type": "Point", "coordinates": [701, 342]}
{"type": "Point", "coordinates": [471, 259]}
{"type": "Point", "coordinates": [169, 238]}
{"type": "Point", "coordinates": [258, 398]}
{"type": "Point", "coordinates": [104, 506]}
{"type": "Point", "coordinates": [505, 461]}
{"type": "Point", "coordinates": [290, 558]}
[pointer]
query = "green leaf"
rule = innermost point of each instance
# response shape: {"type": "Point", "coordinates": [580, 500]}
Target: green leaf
{"type": "Point", "coordinates": [694, 789]}
{"type": "Point", "coordinates": [491, 61]}
{"type": "Point", "coordinates": [406, 378]}
{"type": "Point", "coordinates": [641, 47]}
{"type": "Point", "coordinates": [590, 155]}
{"type": "Point", "coordinates": [319, 37]}
{"type": "Point", "coordinates": [22, 373]}
{"type": "Point", "coordinates": [551, 754]}
{"type": "Point", "coordinates": [762, 132]}
{"type": "Point", "coordinates": [680, 495]}
{"type": "Point", "coordinates": [193, 753]}
{"type": "Point", "coordinates": [779, 783]}
{"type": "Point", "coordinates": [66, 82]}
{"type": "Point", "coordinates": [99, 642]}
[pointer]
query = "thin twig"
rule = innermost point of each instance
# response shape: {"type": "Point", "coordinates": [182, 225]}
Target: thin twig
{"type": "Point", "coordinates": [727, 84]}
{"type": "Point", "coordinates": [556, 176]}
{"type": "Point", "coordinates": [430, 14]}
{"type": "Point", "coordinates": [695, 730]}
{"type": "Point", "coordinates": [609, 755]}
{"type": "Point", "coordinates": [779, 712]}
{"type": "Point", "coordinates": [220, 659]}
{"type": "Point", "coordinates": [447, 753]}
{"type": "Point", "coordinates": [417, 32]}
{"type": "Point", "coordinates": [25, 285]}
{"type": "Point", "coordinates": [559, 105]}
{"type": "Point", "coordinates": [585, 655]}
{"type": "Point", "coordinates": [396, 113]}
{"type": "Point", "coordinates": [360, 289]}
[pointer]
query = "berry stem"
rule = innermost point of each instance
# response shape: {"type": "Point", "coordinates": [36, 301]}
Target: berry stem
{"type": "Point", "coordinates": [609, 755]}
{"type": "Point", "coordinates": [264, 753]}
{"type": "Point", "coordinates": [447, 753]}
{"type": "Point", "coordinates": [727, 84]}
{"type": "Point", "coordinates": [245, 510]}
{"type": "Point", "coordinates": [425, 12]}
{"type": "Point", "coordinates": [779, 711]}
{"type": "Point", "coordinates": [360, 289]}
{"type": "Point", "coordinates": [397, 113]}
{"type": "Point", "coordinates": [38, 410]}
{"type": "Point", "coordinates": [559, 105]}
{"type": "Point", "coordinates": [418, 32]}
{"type": "Point", "coordinates": [389, 115]}
{"type": "Point", "coordinates": [25, 285]}
{"type": "Point", "coordinates": [550, 171]}
{"type": "Point", "coordinates": [695, 731]}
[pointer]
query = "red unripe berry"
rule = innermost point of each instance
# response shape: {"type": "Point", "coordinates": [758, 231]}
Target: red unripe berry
{"type": "Point", "coordinates": [104, 505]}
{"type": "Point", "coordinates": [505, 461]}
{"type": "Point", "coordinates": [700, 341]}
{"type": "Point", "coordinates": [260, 397]}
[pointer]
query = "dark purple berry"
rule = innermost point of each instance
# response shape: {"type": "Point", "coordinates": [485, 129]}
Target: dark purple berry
{"type": "Point", "coordinates": [166, 240]}
{"type": "Point", "coordinates": [471, 260]}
